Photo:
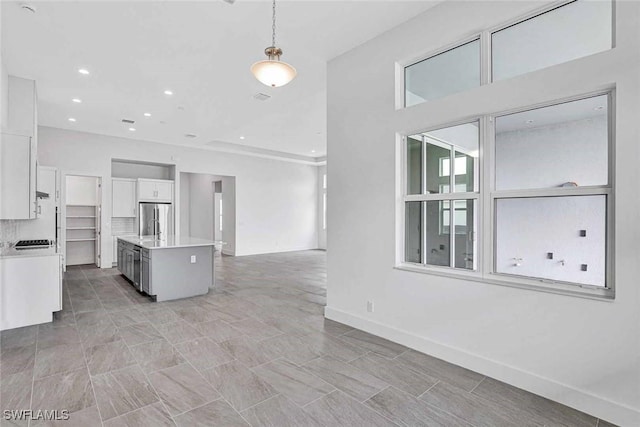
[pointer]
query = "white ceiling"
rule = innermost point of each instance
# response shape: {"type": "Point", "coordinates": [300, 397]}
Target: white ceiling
{"type": "Point", "coordinates": [201, 51]}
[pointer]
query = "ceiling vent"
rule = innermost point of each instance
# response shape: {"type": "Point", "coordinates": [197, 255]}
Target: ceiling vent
{"type": "Point", "coordinates": [191, 135]}
{"type": "Point", "coordinates": [261, 96]}
{"type": "Point", "coordinates": [128, 121]}
{"type": "Point", "coordinates": [229, 1]}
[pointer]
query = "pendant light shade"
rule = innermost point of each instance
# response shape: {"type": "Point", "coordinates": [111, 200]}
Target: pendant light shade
{"type": "Point", "coordinates": [272, 71]}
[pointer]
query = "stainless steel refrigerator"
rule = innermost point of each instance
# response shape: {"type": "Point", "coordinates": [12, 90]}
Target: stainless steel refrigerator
{"type": "Point", "coordinates": [156, 219]}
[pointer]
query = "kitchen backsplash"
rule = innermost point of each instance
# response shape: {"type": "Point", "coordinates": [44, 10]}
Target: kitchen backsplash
{"type": "Point", "coordinates": [120, 226]}
{"type": "Point", "coordinates": [9, 231]}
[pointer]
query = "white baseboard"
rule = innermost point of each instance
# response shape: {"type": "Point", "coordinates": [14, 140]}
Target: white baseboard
{"type": "Point", "coordinates": [562, 393]}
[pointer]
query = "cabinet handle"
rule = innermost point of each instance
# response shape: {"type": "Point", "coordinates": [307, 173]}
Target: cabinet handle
{"type": "Point", "coordinates": [39, 210]}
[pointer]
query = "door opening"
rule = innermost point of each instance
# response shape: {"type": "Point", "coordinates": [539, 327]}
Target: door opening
{"type": "Point", "coordinates": [82, 218]}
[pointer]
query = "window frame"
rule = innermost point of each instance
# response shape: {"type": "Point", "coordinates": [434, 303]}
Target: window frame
{"type": "Point", "coordinates": [479, 36]}
{"type": "Point", "coordinates": [488, 34]}
{"type": "Point", "coordinates": [486, 200]}
{"type": "Point", "coordinates": [486, 50]}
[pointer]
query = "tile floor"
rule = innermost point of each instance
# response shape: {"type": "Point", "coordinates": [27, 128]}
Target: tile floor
{"type": "Point", "coordinates": [255, 351]}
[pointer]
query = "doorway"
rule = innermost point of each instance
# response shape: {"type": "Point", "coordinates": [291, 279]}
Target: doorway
{"type": "Point", "coordinates": [82, 218]}
{"type": "Point", "coordinates": [217, 210]}
{"type": "Point", "coordinates": [208, 208]}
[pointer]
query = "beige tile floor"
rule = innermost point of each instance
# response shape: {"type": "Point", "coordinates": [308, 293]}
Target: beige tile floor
{"type": "Point", "coordinates": [255, 351]}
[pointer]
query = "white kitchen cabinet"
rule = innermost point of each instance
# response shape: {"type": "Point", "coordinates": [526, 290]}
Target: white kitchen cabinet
{"type": "Point", "coordinates": [18, 151]}
{"type": "Point", "coordinates": [123, 201]}
{"type": "Point", "coordinates": [22, 106]}
{"type": "Point", "coordinates": [31, 290]}
{"type": "Point", "coordinates": [17, 197]}
{"type": "Point", "coordinates": [155, 190]}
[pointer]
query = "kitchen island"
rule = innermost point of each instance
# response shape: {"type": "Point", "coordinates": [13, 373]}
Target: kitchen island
{"type": "Point", "coordinates": [170, 268]}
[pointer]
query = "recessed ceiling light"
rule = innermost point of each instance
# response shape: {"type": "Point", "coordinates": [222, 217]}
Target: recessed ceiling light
{"type": "Point", "coordinates": [313, 151]}
{"type": "Point", "coordinates": [132, 129]}
{"type": "Point", "coordinates": [168, 92]}
{"type": "Point", "coordinates": [242, 137]}
{"type": "Point", "coordinates": [83, 71]}
{"type": "Point", "coordinates": [147, 114]}
{"type": "Point", "coordinates": [529, 121]}
{"type": "Point", "coordinates": [71, 119]}
{"type": "Point", "coordinates": [77, 100]}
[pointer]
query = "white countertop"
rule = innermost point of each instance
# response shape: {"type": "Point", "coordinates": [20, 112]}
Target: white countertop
{"type": "Point", "coordinates": [16, 253]}
{"type": "Point", "coordinates": [171, 241]}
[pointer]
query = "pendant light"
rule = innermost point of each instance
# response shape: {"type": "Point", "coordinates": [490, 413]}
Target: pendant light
{"type": "Point", "coordinates": [273, 72]}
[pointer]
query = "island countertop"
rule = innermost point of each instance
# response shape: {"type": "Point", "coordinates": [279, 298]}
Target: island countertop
{"type": "Point", "coordinates": [171, 241]}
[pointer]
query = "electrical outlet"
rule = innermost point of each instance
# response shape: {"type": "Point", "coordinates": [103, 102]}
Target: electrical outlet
{"type": "Point", "coordinates": [193, 259]}
{"type": "Point", "coordinates": [370, 306]}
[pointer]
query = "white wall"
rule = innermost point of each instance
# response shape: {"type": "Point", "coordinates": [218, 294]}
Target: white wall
{"type": "Point", "coordinates": [4, 88]}
{"type": "Point", "coordinates": [553, 225]}
{"type": "Point", "coordinates": [4, 95]}
{"type": "Point", "coordinates": [581, 352]}
{"type": "Point", "coordinates": [201, 206]}
{"type": "Point", "coordinates": [229, 216]}
{"type": "Point", "coordinates": [275, 200]}
{"type": "Point", "coordinates": [185, 204]}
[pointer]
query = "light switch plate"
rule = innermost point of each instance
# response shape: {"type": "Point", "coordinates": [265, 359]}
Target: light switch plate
{"type": "Point", "coordinates": [193, 259]}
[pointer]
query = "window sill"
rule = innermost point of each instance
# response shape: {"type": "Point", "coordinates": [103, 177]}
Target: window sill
{"type": "Point", "coordinates": [539, 285]}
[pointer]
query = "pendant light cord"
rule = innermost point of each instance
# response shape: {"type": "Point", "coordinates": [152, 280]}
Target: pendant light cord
{"type": "Point", "coordinates": [273, 27]}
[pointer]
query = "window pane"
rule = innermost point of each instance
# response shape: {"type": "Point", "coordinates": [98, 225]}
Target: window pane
{"type": "Point", "coordinates": [465, 141]}
{"type": "Point", "coordinates": [437, 233]}
{"type": "Point", "coordinates": [542, 237]}
{"type": "Point", "coordinates": [465, 169]}
{"type": "Point", "coordinates": [464, 221]}
{"type": "Point", "coordinates": [438, 167]}
{"type": "Point", "coordinates": [413, 232]}
{"type": "Point", "coordinates": [561, 145]}
{"type": "Point", "coordinates": [414, 165]}
{"type": "Point", "coordinates": [453, 71]}
{"type": "Point", "coordinates": [569, 32]}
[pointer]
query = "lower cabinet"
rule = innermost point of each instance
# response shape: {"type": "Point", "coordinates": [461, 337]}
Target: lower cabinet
{"type": "Point", "coordinates": [31, 290]}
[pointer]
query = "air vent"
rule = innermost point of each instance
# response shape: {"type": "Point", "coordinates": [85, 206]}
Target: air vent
{"type": "Point", "coordinates": [261, 96]}
{"type": "Point", "coordinates": [191, 135]}
{"type": "Point", "coordinates": [229, 1]}
{"type": "Point", "coordinates": [128, 121]}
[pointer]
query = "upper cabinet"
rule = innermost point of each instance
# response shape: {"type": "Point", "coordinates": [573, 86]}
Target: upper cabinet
{"type": "Point", "coordinates": [124, 197]}
{"type": "Point", "coordinates": [155, 190]}
{"type": "Point", "coordinates": [18, 149]}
